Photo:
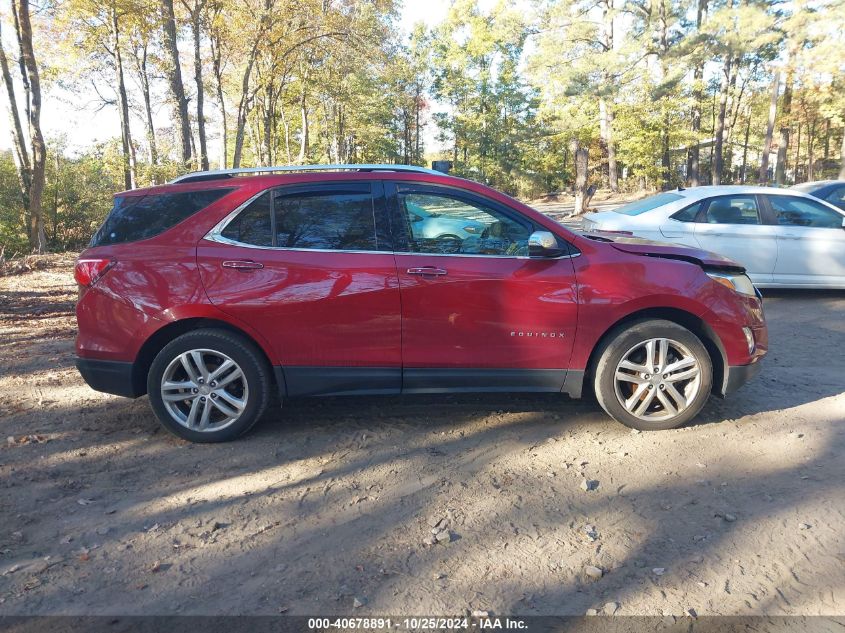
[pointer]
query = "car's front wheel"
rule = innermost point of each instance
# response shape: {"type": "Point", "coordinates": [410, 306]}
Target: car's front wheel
{"type": "Point", "coordinates": [653, 375]}
{"type": "Point", "coordinates": [209, 385]}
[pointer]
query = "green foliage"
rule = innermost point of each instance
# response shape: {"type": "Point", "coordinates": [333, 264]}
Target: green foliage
{"type": "Point", "coordinates": [492, 120]}
{"type": "Point", "coordinates": [76, 200]}
{"type": "Point", "coordinates": [505, 90]}
{"type": "Point", "coordinates": [13, 233]}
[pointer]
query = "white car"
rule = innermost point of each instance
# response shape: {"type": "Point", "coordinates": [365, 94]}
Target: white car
{"type": "Point", "coordinates": [784, 238]}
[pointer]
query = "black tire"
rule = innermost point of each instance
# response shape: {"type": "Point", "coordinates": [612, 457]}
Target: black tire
{"type": "Point", "coordinates": [256, 376]}
{"type": "Point", "coordinates": [619, 344]}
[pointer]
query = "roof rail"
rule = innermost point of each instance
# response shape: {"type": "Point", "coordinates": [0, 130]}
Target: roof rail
{"type": "Point", "coordinates": [195, 176]}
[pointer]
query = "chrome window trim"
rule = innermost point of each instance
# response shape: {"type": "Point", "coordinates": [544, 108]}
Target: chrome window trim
{"type": "Point", "coordinates": [487, 256]}
{"type": "Point", "coordinates": [215, 235]}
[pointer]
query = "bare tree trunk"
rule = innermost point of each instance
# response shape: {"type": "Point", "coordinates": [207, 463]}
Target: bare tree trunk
{"type": "Point", "coordinates": [582, 156]}
{"type": "Point", "coordinates": [37, 149]}
{"type": "Point", "coordinates": [826, 139]}
{"type": "Point", "coordinates": [783, 142]}
{"type": "Point", "coordinates": [842, 158]}
{"type": "Point", "coordinates": [245, 101]}
{"type": "Point", "coordinates": [244, 106]}
{"type": "Point", "coordinates": [770, 128]}
{"type": "Point", "coordinates": [417, 148]}
{"type": "Point", "coordinates": [21, 152]}
{"type": "Point", "coordinates": [196, 15]}
{"type": "Point", "coordinates": [693, 153]}
{"type": "Point", "coordinates": [811, 131]}
{"type": "Point", "coordinates": [606, 133]}
{"type": "Point", "coordinates": [719, 132]}
{"type": "Point", "coordinates": [144, 81]}
{"type": "Point", "coordinates": [174, 79]}
{"type": "Point", "coordinates": [612, 169]}
{"type": "Point", "coordinates": [268, 124]}
{"type": "Point", "coordinates": [663, 36]}
{"type": "Point", "coordinates": [734, 102]}
{"type": "Point", "coordinates": [129, 175]}
{"type": "Point", "coordinates": [286, 125]}
{"type": "Point", "coordinates": [217, 63]}
{"type": "Point", "coordinates": [303, 139]}
{"type": "Point", "coordinates": [742, 170]}
{"type": "Point", "coordinates": [605, 108]}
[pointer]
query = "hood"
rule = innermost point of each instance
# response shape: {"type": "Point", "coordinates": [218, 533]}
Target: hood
{"type": "Point", "coordinates": [650, 248]}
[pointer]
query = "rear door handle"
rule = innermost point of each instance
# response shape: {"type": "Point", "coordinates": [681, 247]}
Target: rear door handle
{"type": "Point", "coordinates": [242, 264]}
{"type": "Point", "coordinates": [427, 270]}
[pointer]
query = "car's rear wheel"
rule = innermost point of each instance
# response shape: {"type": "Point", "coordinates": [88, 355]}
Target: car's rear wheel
{"type": "Point", "coordinates": [209, 385]}
{"type": "Point", "coordinates": [653, 375]}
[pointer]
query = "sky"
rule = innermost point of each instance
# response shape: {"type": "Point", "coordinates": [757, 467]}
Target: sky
{"type": "Point", "coordinates": [77, 119]}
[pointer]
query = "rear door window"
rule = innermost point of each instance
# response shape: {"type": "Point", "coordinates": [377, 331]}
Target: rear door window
{"type": "Point", "coordinates": [330, 217]}
{"type": "Point", "coordinates": [740, 209]}
{"type": "Point", "coordinates": [342, 219]}
{"type": "Point", "coordinates": [140, 217]}
{"type": "Point", "coordinates": [794, 211]}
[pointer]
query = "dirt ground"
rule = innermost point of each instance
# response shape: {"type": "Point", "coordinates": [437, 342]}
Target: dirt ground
{"type": "Point", "coordinates": [328, 506]}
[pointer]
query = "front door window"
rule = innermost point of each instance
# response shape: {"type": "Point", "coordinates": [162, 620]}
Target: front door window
{"type": "Point", "coordinates": [445, 224]}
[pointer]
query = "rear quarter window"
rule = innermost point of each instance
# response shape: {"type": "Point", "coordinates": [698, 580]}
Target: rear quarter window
{"type": "Point", "coordinates": [648, 204]}
{"type": "Point", "coordinates": [140, 217]}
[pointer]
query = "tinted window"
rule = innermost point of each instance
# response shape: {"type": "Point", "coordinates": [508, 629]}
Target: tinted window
{"type": "Point", "coordinates": [803, 212]}
{"type": "Point", "coordinates": [253, 224]}
{"type": "Point", "coordinates": [688, 214]}
{"type": "Point", "coordinates": [732, 210]}
{"type": "Point", "coordinates": [341, 220]}
{"type": "Point", "coordinates": [641, 206]}
{"type": "Point", "coordinates": [138, 217]}
{"type": "Point", "coordinates": [836, 196]}
{"type": "Point", "coordinates": [440, 223]}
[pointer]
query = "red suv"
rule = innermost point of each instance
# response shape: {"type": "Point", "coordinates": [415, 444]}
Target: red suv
{"type": "Point", "coordinates": [213, 291]}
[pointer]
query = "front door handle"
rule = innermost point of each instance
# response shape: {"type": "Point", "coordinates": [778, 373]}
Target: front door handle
{"type": "Point", "coordinates": [242, 264]}
{"type": "Point", "coordinates": [427, 270]}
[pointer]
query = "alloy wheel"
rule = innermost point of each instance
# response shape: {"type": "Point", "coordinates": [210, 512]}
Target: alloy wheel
{"type": "Point", "coordinates": [657, 379]}
{"type": "Point", "coordinates": [204, 390]}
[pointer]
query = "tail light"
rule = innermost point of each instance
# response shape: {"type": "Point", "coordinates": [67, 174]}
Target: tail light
{"type": "Point", "coordinates": [88, 271]}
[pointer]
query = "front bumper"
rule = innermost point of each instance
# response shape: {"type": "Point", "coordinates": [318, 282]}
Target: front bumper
{"type": "Point", "coordinates": [738, 375]}
{"type": "Point", "coordinates": [109, 376]}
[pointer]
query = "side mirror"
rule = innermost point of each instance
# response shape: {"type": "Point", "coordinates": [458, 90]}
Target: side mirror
{"type": "Point", "coordinates": [543, 244]}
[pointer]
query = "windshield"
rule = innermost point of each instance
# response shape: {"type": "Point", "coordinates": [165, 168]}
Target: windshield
{"type": "Point", "coordinates": [641, 206]}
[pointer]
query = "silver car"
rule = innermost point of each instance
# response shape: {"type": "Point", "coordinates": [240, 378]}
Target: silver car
{"type": "Point", "coordinates": [783, 237]}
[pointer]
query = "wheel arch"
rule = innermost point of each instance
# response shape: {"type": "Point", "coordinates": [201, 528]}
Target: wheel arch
{"type": "Point", "coordinates": [165, 334]}
{"type": "Point", "coordinates": [690, 321]}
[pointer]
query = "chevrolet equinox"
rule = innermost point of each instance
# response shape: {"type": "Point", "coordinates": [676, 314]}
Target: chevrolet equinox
{"type": "Point", "coordinates": [212, 291]}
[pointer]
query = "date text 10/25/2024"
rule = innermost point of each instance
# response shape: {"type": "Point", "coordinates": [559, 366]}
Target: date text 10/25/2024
{"type": "Point", "coordinates": [484, 622]}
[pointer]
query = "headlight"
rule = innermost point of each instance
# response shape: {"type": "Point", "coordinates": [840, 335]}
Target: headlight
{"type": "Point", "coordinates": [471, 229]}
{"type": "Point", "coordinates": [738, 283]}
